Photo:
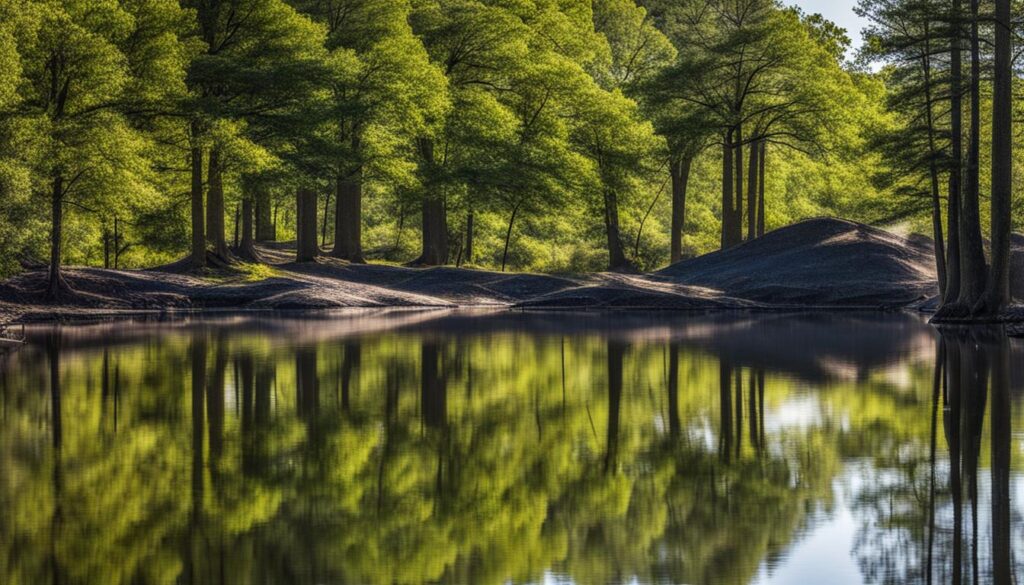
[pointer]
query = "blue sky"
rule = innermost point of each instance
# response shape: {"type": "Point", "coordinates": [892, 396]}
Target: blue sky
{"type": "Point", "coordinates": [838, 11]}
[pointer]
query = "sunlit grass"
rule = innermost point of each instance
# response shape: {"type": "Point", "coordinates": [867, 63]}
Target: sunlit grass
{"type": "Point", "coordinates": [257, 272]}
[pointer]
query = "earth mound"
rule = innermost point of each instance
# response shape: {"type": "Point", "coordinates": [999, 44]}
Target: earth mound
{"type": "Point", "coordinates": [819, 262]}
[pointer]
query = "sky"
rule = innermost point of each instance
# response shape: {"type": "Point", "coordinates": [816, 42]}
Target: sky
{"type": "Point", "coordinates": [838, 11]}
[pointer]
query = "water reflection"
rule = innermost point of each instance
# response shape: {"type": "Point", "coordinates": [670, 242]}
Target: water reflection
{"type": "Point", "coordinates": [444, 447]}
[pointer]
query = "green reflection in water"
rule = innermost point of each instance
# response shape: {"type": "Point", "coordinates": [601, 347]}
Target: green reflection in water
{"type": "Point", "coordinates": [438, 447]}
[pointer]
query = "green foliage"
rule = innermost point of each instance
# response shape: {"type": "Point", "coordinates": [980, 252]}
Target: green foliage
{"type": "Point", "coordinates": [548, 122]}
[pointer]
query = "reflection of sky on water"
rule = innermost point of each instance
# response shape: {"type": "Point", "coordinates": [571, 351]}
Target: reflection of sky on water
{"type": "Point", "coordinates": [822, 555]}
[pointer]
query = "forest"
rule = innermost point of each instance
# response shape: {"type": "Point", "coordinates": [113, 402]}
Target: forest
{"type": "Point", "coordinates": [560, 136]}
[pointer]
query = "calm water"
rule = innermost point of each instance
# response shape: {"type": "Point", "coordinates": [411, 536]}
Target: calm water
{"type": "Point", "coordinates": [433, 447]}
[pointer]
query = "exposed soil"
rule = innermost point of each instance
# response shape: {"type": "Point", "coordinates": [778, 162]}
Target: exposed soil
{"type": "Point", "coordinates": [822, 263]}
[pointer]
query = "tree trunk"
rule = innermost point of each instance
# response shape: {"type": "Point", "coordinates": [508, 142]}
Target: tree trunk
{"type": "Point", "coordinates": [435, 232]}
{"type": "Point", "coordinates": [247, 245]}
{"type": "Point", "coordinates": [956, 155]}
{"type": "Point", "coordinates": [323, 222]}
{"type": "Point", "coordinates": [106, 248]}
{"type": "Point", "coordinates": [349, 219]}
{"type": "Point", "coordinates": [247, 239]}
{"type": "Point", "coordinates": [680, 171]}
{"type": "Point", "coordinates": [752, 187]}
{"type": "Point", "coordinates": [997, 295]}
{"type": "Point", "coordinates": [118, 248]}
{"type": "Point", "coordinates": [940, 247]}
{"type": "Point", "coordinates": [56, 285]}
{"type": "Point", "coordinates": [737, 210]}
{"type": "Point", "coordinates": [972, 251]}
{"type": "Point", "coordinates": [763, 152]}
{"type": "Point", "coordinates": [265, 231]}
{"type": "Point", "coordinates": [727, 194]}
{"type": "Point", "coordinates": [435, 220]}
{"type": "Point", "coordinates": [215, 205]}
{"type": "Point", "coordinates": [508, 236]}
{"type": "Point", "coordinates": [469, 236]}
{"type": "Point", "coordinates": [198, 258]}
{"type": "Point", "coordinates": [306, 249]}
{"type": "Point", "coordinates": [616, 256]}
{"type": "Point", "coordinates": [238, 224]}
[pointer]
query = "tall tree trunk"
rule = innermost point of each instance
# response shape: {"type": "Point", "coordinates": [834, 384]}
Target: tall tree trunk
{"type": "Point", "coordinates": [435, 220]}
{"type": "Point", "coordinates": [247, 239]}
{"type": "Point", "coordinates": [348, 219]}
{"type": "Point", "coordinates": [305, 228]}
{"type": "Point", "coordinates": [940, 247]}
{"type": "Point", "coordinates": [56, 285]}
{"type": "Point", "coordinates": [752, 189]}
{"type": "Point", "coordinates": [616, 255]}
{"type": "Point", "coordinates": [727, 204]}
{"type": "Point", "coordinates": [680, 171]}
{"type": "Point", "coordinates": [508, 236]}
{"type": "Point", "coordinates": [323, 222]}
{"type": "Point", "coordinates": [247, 245]}
{"type": "Point", "coordinates": [238, 223]}
{"type": "Point", "coordinates": [973, 271]}
{"type": "Point", "coordinates": [997, 294]}
{"type": "Point", "coordinates": [106, 248]}
{"type": "Point", "coordinates": [737, 210]}
{"type": "Point", "coordinates": [957, 152]}
{"type": "Point", "coordinates": [215, 205]}
{"type": "Point", "coordinates": [118, 248]}
{"type": "Point", "coordinates": [264, 219]}
{"type": "Point", "coordinates": [763, 155]}
{"type": "Point", "coordinates": [198, 257]}
{"type": "Point", "coordinates": [469, 236]}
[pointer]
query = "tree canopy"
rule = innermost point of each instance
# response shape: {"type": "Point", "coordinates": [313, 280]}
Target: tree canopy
{"type": "Point", "coordinates": [554, 136]}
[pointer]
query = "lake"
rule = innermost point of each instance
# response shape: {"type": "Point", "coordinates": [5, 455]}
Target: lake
{"type": "Point", "coordinates": [474, 448]}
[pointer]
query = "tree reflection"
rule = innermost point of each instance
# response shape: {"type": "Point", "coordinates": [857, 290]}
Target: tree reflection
{"type": "Point", "coordinates": [411, 458]}
{"type": "Point", "coordinates": [971, 379]}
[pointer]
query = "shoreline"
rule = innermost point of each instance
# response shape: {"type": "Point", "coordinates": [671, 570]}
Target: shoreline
{"type": "Point", "coordinates": [818, 265]}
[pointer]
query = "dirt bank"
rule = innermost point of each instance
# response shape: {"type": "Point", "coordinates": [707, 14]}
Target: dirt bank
{"type": "Point", "coordinates": [823, 263]}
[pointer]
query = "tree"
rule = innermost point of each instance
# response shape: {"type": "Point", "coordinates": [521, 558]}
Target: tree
{"type": "Point", "coordinates": [619, 144]}
{"type": "Point", "coordinates": [260, 59]}
{"type": "Point", "coordinates": [906, 34]}
{"type": "Point", "coordinates": [84, 67]}
{"type": "Point", "coordinates": [747, 74]}
{"type": "Point", "coordinates": [636, 51]}
{"type": "Point", "coordinates": [384, 92]}
{"type": "Point", "coordinates": [997, 292]}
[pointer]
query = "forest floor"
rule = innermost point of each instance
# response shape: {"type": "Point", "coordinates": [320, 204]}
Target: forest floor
{"type": "Point", "coordinates": [816, 264]}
